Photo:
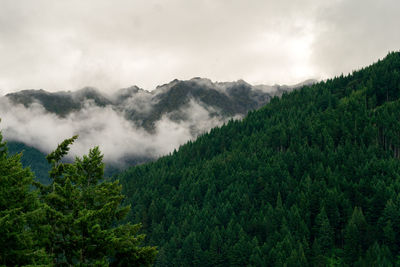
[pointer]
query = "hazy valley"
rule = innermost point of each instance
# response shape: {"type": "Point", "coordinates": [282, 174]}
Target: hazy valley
{"type": "Point", "coordinates": [282, 151]}
{"type": "Point", "coordinates": [132, 125]}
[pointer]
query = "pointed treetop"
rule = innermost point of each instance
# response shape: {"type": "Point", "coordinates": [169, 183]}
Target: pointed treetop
{"type": "Point", "coordinates": [61, 150]}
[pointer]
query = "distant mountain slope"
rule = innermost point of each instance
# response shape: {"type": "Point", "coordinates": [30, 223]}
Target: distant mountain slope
{"type": "Point", "coordinates": [36, 161]}
{"type": "Point", "coordinates": [60, 103]}
{"type": "Point", "coordinates": [145, 108]}
{"type": "Point", "coordinates": [32, 158]}
{"type": "Point", "coordinates": [132, 125]}
{"type": "Point", "coordinates": [311, 179]}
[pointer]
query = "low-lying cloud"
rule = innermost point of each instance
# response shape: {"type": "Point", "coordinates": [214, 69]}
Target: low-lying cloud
{"type": "Point", "coordinates": [105, 127]}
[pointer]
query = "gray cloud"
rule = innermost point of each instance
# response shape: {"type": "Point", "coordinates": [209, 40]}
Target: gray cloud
{"type": "Point", "coordinates": [353, 34]}
{"type": "Point", "coordinates": [65, 45]}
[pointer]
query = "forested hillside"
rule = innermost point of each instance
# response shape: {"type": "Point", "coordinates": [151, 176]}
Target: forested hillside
{"type": "Point", "coordinates": [312, 178]}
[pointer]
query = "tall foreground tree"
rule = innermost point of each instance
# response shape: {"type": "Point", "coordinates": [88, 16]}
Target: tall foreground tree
{"type": "Point", "coordinates": [20, 214]}
{"type": "Point", "coordinates": [83, 212]}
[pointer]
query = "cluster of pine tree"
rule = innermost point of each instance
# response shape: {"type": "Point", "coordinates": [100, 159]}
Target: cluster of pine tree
{"type": "Point", "coordinates": [72, 221]}
{"type": "Point", "coordinates": [310, 179]}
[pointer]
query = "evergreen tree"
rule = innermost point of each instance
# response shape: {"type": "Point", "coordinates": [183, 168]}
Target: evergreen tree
{"type": "Point", "coordinates": [83, 211]}
{"type": "Point", "coordinates": [333, 145]}
{"type": "Point", "coordinates": [20, 214]}
{"type": "Point", "coordinates": [355, 235]}
{"type": "Point", "coordinates": [377, 255]}
{"type": "Point", "coordinates": [324, 234]}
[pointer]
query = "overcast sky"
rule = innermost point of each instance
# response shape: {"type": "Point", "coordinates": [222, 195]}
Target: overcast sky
{"type": "Point", "coordinates": [110, 44]}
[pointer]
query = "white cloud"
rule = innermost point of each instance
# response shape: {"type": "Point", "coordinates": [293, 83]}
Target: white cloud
{"type": "Point", "coordinates": [103, 127]}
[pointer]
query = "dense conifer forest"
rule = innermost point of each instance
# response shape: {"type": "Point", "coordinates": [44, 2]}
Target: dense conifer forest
{"type": "Point", "coordinates": [310, 179]}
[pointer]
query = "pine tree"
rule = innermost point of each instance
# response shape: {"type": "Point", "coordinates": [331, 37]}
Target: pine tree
{"type": "Point", "coordinates": [20, 214]}
{"type": "Point", "coordinates": [377, 255]}
{"type": "Point", "coordinates": [215, 251]}
{"type": "Point", "coordinates": [324, 233]}
{"type": "Point", "coordinates": [297, 257]}
{"type": "Point", "coordinates": [355, 236]}
{"type": "Point", "coordinates": [83, 211]}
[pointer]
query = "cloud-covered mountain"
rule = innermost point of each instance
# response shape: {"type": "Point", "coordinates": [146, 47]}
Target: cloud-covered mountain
{"type": "Point", "coordinates": [131, 125]}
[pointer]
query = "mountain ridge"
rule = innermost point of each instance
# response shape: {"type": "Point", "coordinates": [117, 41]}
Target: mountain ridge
{"type": "Point", "coordinates": [310, 179]}
{"type": "Point", "coordinates": [194, 105]}
{"type": "Point", "coordinates": [231, 97]}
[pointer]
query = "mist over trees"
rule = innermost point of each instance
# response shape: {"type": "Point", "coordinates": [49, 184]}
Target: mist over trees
{"type": "Point", "coordinates": [310, 179]}
{"type": "Point", "coordinates": [132, 125]}
{"type": "Point", "coordinates": [73, 221]}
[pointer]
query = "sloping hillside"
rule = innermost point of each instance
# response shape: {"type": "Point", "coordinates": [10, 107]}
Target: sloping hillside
{"type": "Point", "coordinates": [32, 158]}
{"type": "Point", "coordinates": [312, 178]}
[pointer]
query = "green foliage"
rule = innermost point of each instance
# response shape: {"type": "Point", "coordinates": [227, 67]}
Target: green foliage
{"type": "Point", "coordinates": [355, 236]}
{"type": "Point", "coordinates": [20, 214]}
{"type": "Point", "coordinates": [313, 178]}
{"type": "Point", "coordinates": [83, 212]}
{"type": "Point", "coordinates": [32, 158]}
{"type": "Point", "coordinates": [73, 221]}
{"type": "Point", "coordinates": [324, 238]}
